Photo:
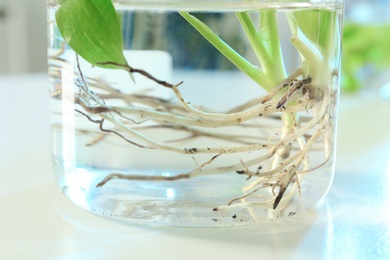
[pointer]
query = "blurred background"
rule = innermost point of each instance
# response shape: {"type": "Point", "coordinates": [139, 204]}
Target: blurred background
{"type": "Point", "coordinates": [366, 46]}
{"type": "Point", "coordinates": [22, 36]}
{"type": "Point", "coordinates": [366, 41]}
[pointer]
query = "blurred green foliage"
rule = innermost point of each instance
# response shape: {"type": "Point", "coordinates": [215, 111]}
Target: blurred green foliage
{"type": "Point", "coordinates": [366, 52]}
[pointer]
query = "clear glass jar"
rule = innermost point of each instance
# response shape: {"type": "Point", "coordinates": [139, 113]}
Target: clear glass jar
{"type": "Point", "coordinates": [194, 113]}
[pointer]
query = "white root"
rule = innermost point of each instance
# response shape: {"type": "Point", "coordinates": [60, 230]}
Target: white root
{"type": "Point", "coordinates": [284, 157]}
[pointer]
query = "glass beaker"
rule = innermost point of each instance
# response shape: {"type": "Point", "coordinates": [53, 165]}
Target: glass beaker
{"type": "Point", "coordinates": [194, 113]}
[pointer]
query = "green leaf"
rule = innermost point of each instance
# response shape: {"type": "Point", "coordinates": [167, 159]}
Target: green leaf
{"type": "Point", "coordinates": [92, 29]}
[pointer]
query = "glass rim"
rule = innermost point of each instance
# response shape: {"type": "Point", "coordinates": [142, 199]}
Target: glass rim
{"type": "Point", "coordinates": [235, 5]}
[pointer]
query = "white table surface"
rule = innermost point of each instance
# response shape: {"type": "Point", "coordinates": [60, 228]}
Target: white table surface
{"type": "Point", "coordinates": [37, 222]}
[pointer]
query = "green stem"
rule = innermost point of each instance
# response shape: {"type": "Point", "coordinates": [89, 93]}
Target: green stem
{"type": "Point", "coordinates": [240, 62]}
{"type": "Point", "coordinates": [269, 33]}
{"type": "Point", "coordinates": [253, 37]}
{"type": "Point", "coordinates": [313, 35]}
{"type": "Point", "coordinates": [312, 56]}
{"type": "Point", "coordinates": [265, 43]}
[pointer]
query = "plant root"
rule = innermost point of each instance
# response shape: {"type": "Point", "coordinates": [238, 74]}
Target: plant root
{"type": "Point", "coordinates": [278, 164]}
